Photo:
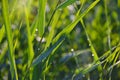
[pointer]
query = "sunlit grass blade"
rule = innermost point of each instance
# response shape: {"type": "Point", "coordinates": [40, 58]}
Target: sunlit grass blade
{"type": "Point", "coordinates": [30, 45]}
{"type": "Point", "coordinates": [46, 53]}
{"type": "Point", "coordinates": [65, 4]}
{"type": "Point", "coordinates": [52, 30]}
{"type": "Point", "coordinates": [9, 38]}
{"type": "Point", "coordinates": [41, 15]}
{"type": "Point", "coordinates": [70, 27]}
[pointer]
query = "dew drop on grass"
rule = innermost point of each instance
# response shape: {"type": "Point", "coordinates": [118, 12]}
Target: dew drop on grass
{"type": "Point", "coordinates": [88, 39]}
{"type": "Point", "coordinates": [92, 54]}
{"type": "Point", "coordinates": [36, 30]}
{"type": "Point", "coordinates": [83, 75]}
{"type": "Point", "coordinates": [72, 50]}
{"type": "Point", "coordinates": [38, 39]}
{"type": "Point", "coordinates": [38, 49]}
{"type": "Point", "coordinates": [89, 44]}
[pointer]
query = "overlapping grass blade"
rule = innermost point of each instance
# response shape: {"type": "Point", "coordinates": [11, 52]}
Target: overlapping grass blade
{"type": "Point", "coordinates": [90, 68]}
{"type": "Point", "coordinates": [52, 30]}
{"type": "Point", "coordinates": [72, 55]}
{"type": "Point", "coordinates": [70, 27]}
{"type": "Point", "coordinates": [30, 45]}
{"type": "Point", "coordinates": [34, 27]}
{"type": "Point", "coordinates": [9, 38]}
{"type": "Point", "coordinates": [80, 72]}
{"type": "Point", "coordinates": [65, 4]}
{"type": "Point", "coordinates": [92, 49]}
{"type": "Point", "coordinates": [115, 64]}
{"type": "Point", "coordinates": [2, 33]}
{"type": "Point", "coordinates": [3, 52]}
{"type": "Point", "coordinates": [46, 53]}
{"type": "Point", "coordinates": [41, 15]}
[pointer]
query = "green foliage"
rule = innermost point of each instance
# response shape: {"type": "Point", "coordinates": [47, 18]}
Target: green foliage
{"type": "Point", "coordinates": [41, 15]}
{"type": "Point", "coordinates": [9, 39]}
{"type": "Point", "coordinates": [60, 39]}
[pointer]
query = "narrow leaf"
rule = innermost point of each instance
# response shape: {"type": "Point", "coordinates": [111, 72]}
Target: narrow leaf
{"type": "Point", "coordinates": [41, 15]}
{"type": "Point", "coordinates": [73, 54]}
{"type": "Point", "coordinates": [10, 39]}
{"type": "Point", "coordinates": [2, 33]}
{"type": "Point", "coordinates": [46, 53]}
{"type": "Point", "coordinates": [70, 27]}
{"type": "Point", "coordinates": [66, 3]}
{"type": "Point", "coordinates": [92, 48]}
{"type": "Point", "coordinates": [52, 30]}
{"type": "Point", "coordinates": [30, 45]}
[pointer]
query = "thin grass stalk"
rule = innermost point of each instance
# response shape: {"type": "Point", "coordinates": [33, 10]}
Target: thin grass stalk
{"type": "Point", "coordinates": [93, 50]}
{"type": "Point", "coordinates": [30, 45]}
{"type": "Point", "coordinates": [10, 39]}
{"type": "Point", "coordinates": [107, 24]}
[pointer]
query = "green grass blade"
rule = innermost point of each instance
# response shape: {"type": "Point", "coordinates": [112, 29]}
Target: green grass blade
{"type": "Point", "coordinates": [52, 30]}
{"type": "Point", "coordinates": [41, 15]}
{"type": "Point", "coordinates": [70, 27]}
{"type": "Point", "coordinates": [9, 38]}
{"type": "Point", "coordinates": [92, 49]}
{"type": "Point", "coordinates": [90, 68]}
{"type": "Point", "coordinates": [118, 1]}
{"type": "Point", "coordinates": [115, 64]}
{"type": "Point", "coordinates": [65, 4]}
{"type": "Point", "coordinates": [2, 33]}
{"type": "Point", "coordinates": [73, 55]}
{"type": "Point", "coordinates": [30, 45]}
{"type": "Point", "coordinates": [3, 53]}
{"type": "Point", "coordinates": [90, 43]}
{"type": "Point", "coordinates": [46, 53]}
{"type": "Point", "coordinates": [34, 27]}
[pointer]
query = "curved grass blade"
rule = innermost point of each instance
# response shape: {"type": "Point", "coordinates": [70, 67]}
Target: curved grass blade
{"type": "Point", "coordinates": [70, 27]}
{"type": "Point", "coordinates": [46, 53]}
{"type": "Point", "coordinates": [9, 38]}
{"type": "Point", "coordinates": [65, 4]}
{"type": "Point", "coordinates": [41, 15]}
